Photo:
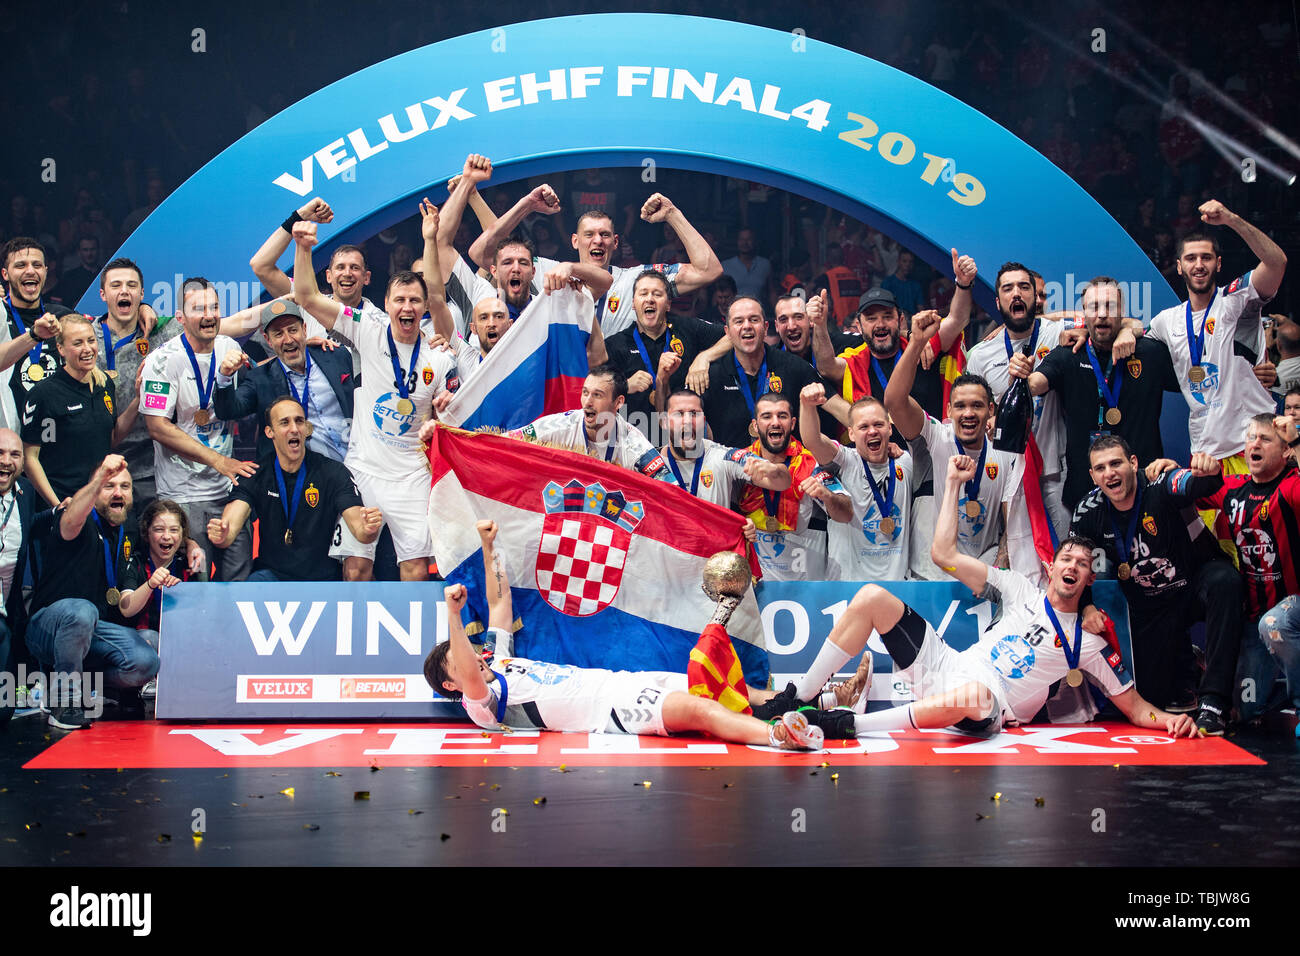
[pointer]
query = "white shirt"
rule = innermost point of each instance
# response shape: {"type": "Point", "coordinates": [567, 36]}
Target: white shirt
{"type": "Point", "coordinates": [11, 539]}
{"type": "Point", "coordinates": [862, 550]}
{"type": "Point", "coordinates": [385, 440]}
{"type": "Point", "coordinates": [1230, 393]}
{"type": "Point", "coordinates": [721, 470]}
{"type": "Point", "coordinates": [1288, 374]}
{"type": "Point", "coordinates": [169, 390]}
{"type": "Point", "coordinates": [1019, 652]}
{"type": "Point", "coordinates": [624, 446]}
{"type": "Point", "coordinates": [615, 310]}
{"type": "Point", "coordinates": [566, 697]}
{"type": "Point", "coordinates": [468, 359]}
{"type": "Point", "coordinates": [999, 481]}
{"type": "Point", "coordinates": [989, 359]}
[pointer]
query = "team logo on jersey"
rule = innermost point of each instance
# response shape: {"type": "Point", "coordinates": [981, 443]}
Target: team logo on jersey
{"type": "Point", "coordinates": [1263, 510]}
{"type": "Point", "coordinates": [142, 346]}
{"type": "Point", "coordinates": [613, 303]}
{"type": "Point", "coordinates": [389, 415]}
{"type": "Point", "coordinates": [706, 478]}
{"type": "Point", "coordinates": [427, 375]}
{"type": "Point", "coordinates": [1134, 367]}
{"type": "Point", "coordinates": [311, 495]}
{"type": "Point", "coordinates": [1149, 523]}
{"type": "Point", "coordinates": [126, 549]}
{"type": "Point", "coordinates": [1209, 326]}
{"type": "Point", "coordinates": [585, 539]}
{"type": "Point", "coordinates": [898, 472]}
{"type": "Point", "coordinates": [774, 383]}
{"type": "Point", "coordinates": [992, 471]}
{"type": "Point", "coordinates": [108, 403]}
{"type": "Point", "coordinates": [1041, 353]}
{"type": "Point", "coordinates": [676, 345]}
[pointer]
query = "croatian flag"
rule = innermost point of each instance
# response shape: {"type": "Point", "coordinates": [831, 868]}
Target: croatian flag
{"type": "Point", "coordinates": [536, 369]}
{"type": "Point", "coordinates": [604, 564]}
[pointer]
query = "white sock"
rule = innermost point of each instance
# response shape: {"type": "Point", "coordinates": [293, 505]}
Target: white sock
{"type": "Point", "coordinates": [829, 660]}
{"type": "Point", "coordinates": [896, 718]}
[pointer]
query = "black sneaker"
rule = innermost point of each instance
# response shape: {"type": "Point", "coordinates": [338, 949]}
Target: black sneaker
{"type": "Point", "coordinates": [69, 718]}
{"type": "Point", "coordinates": [782, 703]}
{"type": "Point", "coordinates": [1210, 721]}
{"type": "Point", "coordinates": [837, 724]}
{"type": "Point", "coordinates": [1184, 703]}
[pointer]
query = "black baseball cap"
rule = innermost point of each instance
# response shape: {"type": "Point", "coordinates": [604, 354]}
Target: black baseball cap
{"type": "Point", "coordinates": [877, 296]}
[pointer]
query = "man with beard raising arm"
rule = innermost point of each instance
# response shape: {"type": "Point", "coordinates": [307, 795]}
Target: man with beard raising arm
{"type": "Point", "coordinates": [1022, 328]}
{"type": "Point", "coordinates": [1006, 676]}
{"type": "Point", "coordinates": [595, 241]}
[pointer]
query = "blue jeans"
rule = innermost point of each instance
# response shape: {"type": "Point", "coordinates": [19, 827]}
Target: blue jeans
{"type": "Point", "coordinates": [265, 574]}
{"type": "Point", "coordinates": [1279, 632]}
{"type": "Point", "coordinates": [69, 636]}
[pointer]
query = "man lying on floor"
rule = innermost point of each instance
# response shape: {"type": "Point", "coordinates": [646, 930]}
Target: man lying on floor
{"type": "Point", "coordinates": [1006, 676]}
{"type": "Point", "coordinates": [512, 692]}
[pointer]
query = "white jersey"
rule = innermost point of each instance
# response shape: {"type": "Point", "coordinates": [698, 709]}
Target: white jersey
{"type": "Point", "coordinates": [800, 553]}
{"type": "Point", "coordinates": [615, 310]}
{"type": "Point", "coordinates": [385, 440]}
{"type": "Point", "coordinates": [714, 474]}
{"type": "Point", "coordinates": [864, 550]}
{"type": "Point", "coordinates": [998, 482]}
{"type": "Point", "coordinates": [168, 390]}
{"type": "Point", "coordinates": [1021, 651]}
{"type": "Point", "coordinates": [465, 288]}
{"type": "Point", "coordinates": [624, 446]}
{"type": "Point", "coordinates": [989, 360]}
{"type": "Point", "coordinates": [576, 699]}
{"type": "Point", "coordinates": [468, 358]}
{"type": "Point", "coordinates": [1230, 393]}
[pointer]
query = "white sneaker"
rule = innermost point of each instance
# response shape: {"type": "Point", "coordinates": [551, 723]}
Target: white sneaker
{"type": "Point", "coordinates": [799, 734]}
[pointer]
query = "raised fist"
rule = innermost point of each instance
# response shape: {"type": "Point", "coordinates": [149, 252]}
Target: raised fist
{"type": "Point", "coordinates": [478, 169]}
{"type": "Point", "coordinates": [317, 210]}
{"type": "Point", "coordinates": [304, 233]}
{"type": "Point", "coordinates": [657, 208]}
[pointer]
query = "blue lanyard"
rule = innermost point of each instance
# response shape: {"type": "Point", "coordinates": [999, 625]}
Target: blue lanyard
{"type": "Point", "coordinates": [884, 504]}
{"type": "Point", "coordinates": [400, 380]}
{"type": "Point", "coordinates": [35, 353]}
{"type": "Point", "coordinates": [640, 347]}
{"type": "Point", "coordinates": [502, 694]}
{"type": "Point", "coordinates": [1110, 395]}
{"type": "Point", "coordinates": [1196, 340]}
{"type": "Point", "coordinates": [205, 391]}
{"type": "Point", "coordinates": [110, 557]}
{"type": "Point", "coordinates": [111, 348]}
{"type": "Point", "coordinates": [695, 479]}
{"type": "Point", "coordinates": [743, 380]}
{"type": "Point", "coordinates": [290, 506]}
{"type": "Point", "coordinates": [305, 399]}
{"type": "Point", "coordinates": [1071, 654]}
{"type": "Point", "coordinates": [1122, 543]}
{"type": "Point", "coordinates": [772, 499]}
{"type": "Point", "coordinates": [1033, 339]}
{"type": "Point", "coordinates": [878, 370]}
{"type": "Point", "coordinates": [973, 486]}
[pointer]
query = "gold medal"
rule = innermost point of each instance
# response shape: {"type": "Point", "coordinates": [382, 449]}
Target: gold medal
{"type": "Point", "coordinates": [887, 526]}
{"type": "Point", "coordinates": [35, 372]}
{"type": "Point", "coordinates": [405, 406]}
{"type": "Point", "coordinates": [973, 509]}
{"type": "Point", "coordinates": [1075, 677]}
{"type": "Point", "coordinates": [112, 596]}
{"type": "Point", "coordinates": [288, 538]}
{"type": "Point", "coordinates": [1113, 416]}
{"type": "Point", "coordinates": [1197, 375]}
{"type": "Point", "coordinates": [1125, 572]}
{"type": "Point", "coordinates": [202, 417]}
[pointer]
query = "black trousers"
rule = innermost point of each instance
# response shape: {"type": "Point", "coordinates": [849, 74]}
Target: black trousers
{"type": "Point", "coordinates": [1163, 666]}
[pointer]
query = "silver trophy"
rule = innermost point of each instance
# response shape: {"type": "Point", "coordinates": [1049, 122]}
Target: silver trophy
{"type": "Point", "coordinates": [726, 579]}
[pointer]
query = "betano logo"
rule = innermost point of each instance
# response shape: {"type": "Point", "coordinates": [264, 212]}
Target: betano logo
{"type": "Point", "coordinates": [372, 688]}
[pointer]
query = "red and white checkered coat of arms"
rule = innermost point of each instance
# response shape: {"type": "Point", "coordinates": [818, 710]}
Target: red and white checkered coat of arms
{"type": "Point", "coordinates": [585, 539]}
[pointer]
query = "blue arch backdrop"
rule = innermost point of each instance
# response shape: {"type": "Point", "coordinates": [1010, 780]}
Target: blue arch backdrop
{"type": "Point", "coordinates": [573, 92]}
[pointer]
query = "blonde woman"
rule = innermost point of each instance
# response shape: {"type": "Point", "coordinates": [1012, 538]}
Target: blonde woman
{"type": "Point", "coordinates": [70, 420]}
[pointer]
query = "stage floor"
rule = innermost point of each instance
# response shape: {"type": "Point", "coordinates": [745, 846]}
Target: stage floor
{"type": "Point", "coordinates": [324, 794]}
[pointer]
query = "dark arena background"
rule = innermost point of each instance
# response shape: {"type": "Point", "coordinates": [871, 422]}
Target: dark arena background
{"type": "Point", "coordinates": [858, 146]}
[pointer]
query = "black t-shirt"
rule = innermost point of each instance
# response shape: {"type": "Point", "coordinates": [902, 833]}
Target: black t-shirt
{"type": "Point", "coordinates": [76, 568]}
{"type": "Point", "coordinates": [1161, 553]}
{"type": "Point", "coordinates": [686, 336]}
{"type": "Point", "coordinates": [72, 422]}
{"type": "Point", "coordinates": [1146, 375]}
{"type": "Point", "coordinates": [48, 360]}
{"type": "Point", "coordinates": [830, 425]}
{"type": "Point", "coordinates": [725, 408]}
{"type": "Point", "coordinates": [327, 491]}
